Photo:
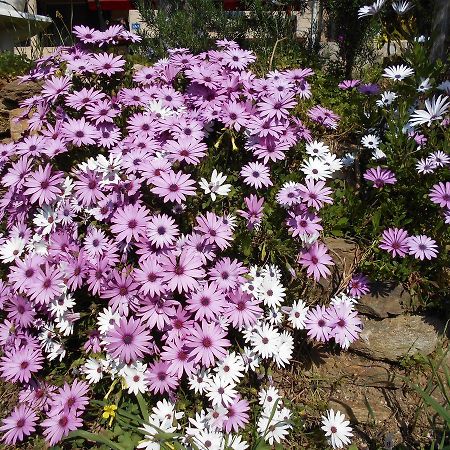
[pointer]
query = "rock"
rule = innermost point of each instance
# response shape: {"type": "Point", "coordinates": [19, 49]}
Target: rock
{"type": "Point", "coordinates": [17, 126]}
{"type": "Point", "coordinates": [342, 251]}
{"type": "Point", "coordinates": [392, 338]}
{"type": "Point", "coordinates": [14, 92]}
{"type": "Point", "coordinates": [4, 122]}
{"type": "Point", "coordinates": [361, 406]}
{"type": "Point", "coordinates": [384, 300]}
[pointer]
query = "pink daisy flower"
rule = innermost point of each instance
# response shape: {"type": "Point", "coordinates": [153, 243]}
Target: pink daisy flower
{"type": "Point", "coordinates": [55, 86]}
{"type": "Point", "coordinates": [159, 379]}
{"type": "Point", "coordinates": [207, 343]}
{"type": "Point", "coordinates": [422, 247]}
{"type": "Point", "coordinates": [440, 194]}
{"type": "Point", "coordinates": [315, 194]}
{"type": "Point", "coordinates": [395, 241]}
{"type": "Point", "coordinates": [242, 310]}
{"type": "Point", "coordinates": [227, 274]}
{"type": "Point", "coordinates": [20, 365]}
{"type": "Point", "coordinates": [19, 424]}
{"type": "Point", "coordinates": [87, 188]}
{"type": "Point", "coordinates": [207, 302]}
{"type": "Point", "coordinates": [358, 285]}
{"type": "Point", "coordinates": [130, 222]}
{"type": "Point", "coordinates": [177, 355]}
{"type": "Point", "coordinates": [254, 213]}
{"type": "Point", "coordinates": [107, 64]}
{"type": "Point", "coordinates": [46, 285]}
{"type": "Point", "coordinates": [256, 175]}
{"type": "Point", "coordinates": [277, 106]}
{"type": "Point", "coordinates": [129, 340]}
{"type": "Point", "coordinates": [149, 277]}
{"type": "Point", "coordinates": [173, 186]}
{"type": "Point", "coordinates": [182, 272]}
{"type": "Point", "coordinates": [316, 259]}
{"type": "Point", "coordinates": [214, 230]}
{"type": "Point", "coordinates": [58, 425]}
{"type": "Point", "coordinates": [344, 323]}
{"type": "Point", "coordinates": [237, 415]}
{"type": "Point", "coordinates": [324, 116]}
{"type": "Point", "coordinates": [162, 230]}
{"type": "Point", "coordinates": [380, 176]}
{"type": "Point", "coordinates": [317, 324]}
{"type": "Point", "coordinates": [79, 132]}
{"type": "Point", "coordinates": [43, 186]}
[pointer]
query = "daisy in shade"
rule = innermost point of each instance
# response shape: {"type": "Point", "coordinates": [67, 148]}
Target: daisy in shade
{"type": "Point", "coordinates": [214, 230]}
{"type": "Point", "coordinates": [395, 241]}
{"type": "Point", "coordinates": [422, 247]}
{"type": "Point", "coordinates": [59, 425]}
{"type": "Point", "coordinates": [130, 222]}
{"type": "Point", "coordinates": [107, 64]}
{"type": "Point", "coordinates": [159, 379]}
{"type": "Point", "coordinates": [435, 109]}
{"type": "Point", "coordinates": [315, 260]}
{"type": "Point", "coordinates": [387, 98]}
{"type": "Point", "coordinates": [243, 309]}
{"type": "Point", "coordinates": [344, 323]}
{"type": "Point", "coordinates": [324, 116]}
{"type": "Point", "coordinates": [19, 424]}
{"type": "Point", "coordinates": [43, 186]}
{"type": "Point", "coordinates": [254, 212]}
{"type": "Point", "coordinates": [370, 141]}
{"type": "Point", "coordinates": [173, 186]}
{"type": "Point", "coordinates": [317, 325]}
{"type": "Point", "coordinates": [336, 429]}
{"type": "Point", "coordinates": [79, 132]}
{"type": "Point", "coordinates": [216, 186]}
{"type": "Point", "coordinates": [128, 340]}
{"type": "Point", "coordinates": [182, 272]}
{"type": "Point", "coordinates": [20, 365]}
{"type": "Point", "coordinates": [315, 194]}
{"type": "Point", "coordinates": [162, 230]}
{"type": "Point", "coordinates": [358, 285]}
{"type": "Point", "coordinates": [348, 84]}
{"type": "Point", "coordinates": [440, 158]}
{"type": "Point", "coordinates": [440, 194]}
{"type": "Point", "coordinates": [256, 175]}
{"type": "Point", "coordinates": [398, 73]}
{"type": "Point", "coordinates": [207, 343]}
{"type": "Point", "coordinates": [380, 176]}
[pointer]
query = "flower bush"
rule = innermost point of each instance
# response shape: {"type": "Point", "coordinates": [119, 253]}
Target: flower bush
{"type": "Point", "coordinates": [160, 225]}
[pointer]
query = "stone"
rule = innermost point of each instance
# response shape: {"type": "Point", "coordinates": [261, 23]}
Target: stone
{"type": "Point", "coordinates": [384, 300]}
{"type": "Point", "coordinates": [393, 338]}
{"type": "Point", "coordinates": [17, 126]}
{"type": "Point", "coordinates": [15, 92]}
{"type": "Point", "coordinates": [4, 122]}
{"type": "Point", "coordinates": [342, 251]}
{"type": "Point", "coordinates": [361, 406]}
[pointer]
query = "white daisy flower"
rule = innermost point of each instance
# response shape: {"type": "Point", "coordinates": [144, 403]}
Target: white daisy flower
{"type": "Point", "coordinates": [134, 377]}
{"type": "Point", "coordinates": [265, 340]}
{"type": "Point", "coordinates": [334, 163]}
{"type": "Point", "coordinates": [401, 7]}
{"type": "Point", "coordinates": [424, 85]}
{"type": "Point", "coordinates": [271, 292]}
{"type": "Point", "coordinates": [199, 380]}
{"type": "Point", "coordinates": [378, 154]}
{"type": "Point", "coordinates": [220, 391]}
{"type": "Point", "coordinates": [434, 110]}
{"type": "Point", "coordinates": [297, 314]}
{"type": "Point", "coordinates": [387, 98]}
{"type": "Point", "coordinates": [336, 429]}
{"type": "Point", "coordinates": [216, 186]}
{"type": "Point", "coordinates": [268, 397]}
{"type": "Point", "coordinates": [93, 370]}
{"type": "Point", "coordinates": [348, 159]}
{"type": "Point", "coordinates": [231, 368]}
{"type": "Point", "coordinates": [107, 319]}
{"type": "Point", "coordinates": [370, 141]}
{"type": "Point", "coordinates": [316, 169]}
{"type": "Point", "coordinates": [398, 73]}
{"type": "Point", "coordinates": [251, 359]}
{"type": "Point", "coordinates": [276, 428]}
{"type": "Point", "coordinates": [61, 304]}
{"type": "Point", "coordinates": [283, 354]}
{"type": "Point", "coordinates": [12, 249]}
{"type": "Point", "coordinates": [371, 10]}
{"type": "Point", "coordinates": [445, 86]}
{"type": "Point", "coordinates": [46, 219]}
{"type": "Point", "coordinates": [274, 316]}
{"type": "Point", "coordinates": [317, 148]}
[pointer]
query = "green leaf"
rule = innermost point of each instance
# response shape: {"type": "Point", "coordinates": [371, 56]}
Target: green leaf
{"type": "Point", "coordinates": [86, 435]}
{"type": "Point", "coordinates": [142, 406]}
{"type": "Point", "coordinates": [430, 401]}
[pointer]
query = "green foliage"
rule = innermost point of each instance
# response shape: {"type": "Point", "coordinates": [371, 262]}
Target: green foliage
{"type": "Point", "coordinates": [12, 65]}
{"type": "Point", "coordinates": [197, 24]}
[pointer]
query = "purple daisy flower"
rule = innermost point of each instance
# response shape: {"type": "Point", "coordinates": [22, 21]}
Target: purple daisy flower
{"type": "Point", "coordinates": [173, 186]}
{"type": "Point", "coordinates": [243, 309]}
{"type": "Point", "coordinates": [316, 261]}
{"type": "Point", "coordinates": [130, 222]}
{"type": "Point", "coordinates": [317, 324]}
{"type": "Point", "coordinates": [79, 132]}
{"type": "Point", "coordinates": [237, 415]}
{"type": "Point", "coordinates": [214, 230]}
{"type": "Point", "coordinates": [395, 241]}
{"type": "Point", "coordinates": [107, 64]}
{"type": "Point", "coordinates": [159, 379]}
{"type": "Point", "coordinates": [129, 340]}
{"type": "Point", "coordinates": [20, 365]}
{"type": "Point", "coordinates": [58, 425]}
{"type": "Point", "coordinates": [348, 84]}
{"type": "Point", "coordinates": [324, 116]}
{"type": "Point", "coordinates": [380, 176]}
{"type": "Point", "coordinates": [422, 247]}
{"type": "Point", "coordinates": [440, 194]}
{"type": "Point", "coordinates": [19, 424]}
{"type": "Point", "coordinates": [254, 213]}
{"type": "Point", "coordinates": [344, 323]}
{"type": "Point", "coordinates": [358, 285]}
{"type": "Point", "coordinates": [43, 185]}
{"type": "Point", "coordinates": [207, 343]}
{"type": "Point", "coordinates": [162, 230]}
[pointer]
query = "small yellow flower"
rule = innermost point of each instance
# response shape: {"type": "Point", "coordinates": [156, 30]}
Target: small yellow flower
{"type": "Point", "coordinates": [109, 412]}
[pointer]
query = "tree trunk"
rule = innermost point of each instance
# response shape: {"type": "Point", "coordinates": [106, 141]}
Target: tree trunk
{"type": "Point", "coordinates": [440, 29]}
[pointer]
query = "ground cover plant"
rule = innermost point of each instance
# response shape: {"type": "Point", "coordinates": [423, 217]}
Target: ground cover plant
{"type": "Point", "coordinates": [164, 238]}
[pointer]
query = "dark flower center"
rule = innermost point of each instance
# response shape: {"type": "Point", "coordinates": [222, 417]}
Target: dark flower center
{"type": "Point", "coordinates": [132, 224]}
{"type": "Point", "coordinates": [20, 423]}
{"type": "Point", "coordinates": [173, 188]}
{"type": "Point", "coordinates": [206, 342]}
{"type": "Point", "coordinates": [127, 339]}
{"type": "Point", "coordinates": [161, 231]}
{"type": "Point", "coordinates": [24, 364]}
